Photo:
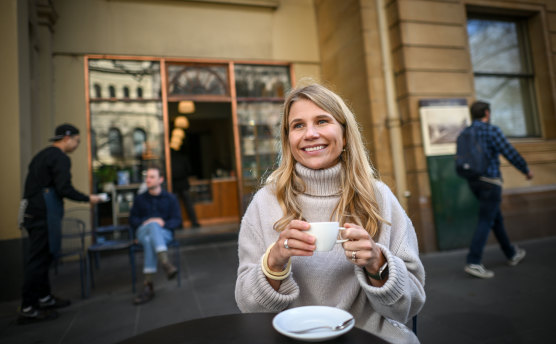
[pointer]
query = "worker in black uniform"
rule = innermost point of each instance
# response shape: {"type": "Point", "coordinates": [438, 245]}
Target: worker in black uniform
{"type": "Point", "coordinates": [48, 182]}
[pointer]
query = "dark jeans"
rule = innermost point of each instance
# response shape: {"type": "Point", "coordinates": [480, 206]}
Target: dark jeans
{"type": "Point", "coordinates": [490, 216]}
{"type": "Point", "coordinates": [36, 283]}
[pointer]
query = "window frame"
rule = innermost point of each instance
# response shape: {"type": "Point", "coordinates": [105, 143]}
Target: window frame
{"type": "Point", "coordinates": [532, 117]}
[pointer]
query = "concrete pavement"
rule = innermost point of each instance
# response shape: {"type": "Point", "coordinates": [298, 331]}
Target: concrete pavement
{"type": "Point", "coordinates": [517, 306]}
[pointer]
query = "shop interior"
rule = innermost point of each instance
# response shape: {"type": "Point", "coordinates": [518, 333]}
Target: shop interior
{"type": "Point", "coordinates": [207, 152]}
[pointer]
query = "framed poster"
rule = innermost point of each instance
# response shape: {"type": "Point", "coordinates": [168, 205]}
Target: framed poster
{"type": "Point", "coordinates": [441, 122]}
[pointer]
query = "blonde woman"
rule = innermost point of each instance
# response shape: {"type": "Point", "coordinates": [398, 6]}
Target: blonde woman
{"type": "Point", "coordinates": [324, 174]}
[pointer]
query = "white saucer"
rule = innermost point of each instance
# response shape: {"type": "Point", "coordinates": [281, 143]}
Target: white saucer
{"type": "Point", "coordinates": [304, 317]}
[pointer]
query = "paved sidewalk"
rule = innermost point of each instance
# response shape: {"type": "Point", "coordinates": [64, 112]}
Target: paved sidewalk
{"type": "Point", "coordinates": [517, 306]}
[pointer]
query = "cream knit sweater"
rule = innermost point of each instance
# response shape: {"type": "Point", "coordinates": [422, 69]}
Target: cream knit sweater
{"type": "Point", "coordinates": [329, 278]}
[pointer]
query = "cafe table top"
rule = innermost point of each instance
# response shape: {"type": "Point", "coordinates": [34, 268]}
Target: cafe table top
{"type": "Point", "coordinates": [235, 328]}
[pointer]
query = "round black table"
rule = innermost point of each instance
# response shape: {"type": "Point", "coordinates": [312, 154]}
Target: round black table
{"type": "Point", "coordinates": [235, 328]}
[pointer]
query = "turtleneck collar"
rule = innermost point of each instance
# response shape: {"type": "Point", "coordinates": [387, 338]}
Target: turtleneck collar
{"type": "Point", "coordinates": [324, 182]}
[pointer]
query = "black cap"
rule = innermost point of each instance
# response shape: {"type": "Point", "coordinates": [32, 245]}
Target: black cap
{"type": "Point", "coordinates": [63, 130]}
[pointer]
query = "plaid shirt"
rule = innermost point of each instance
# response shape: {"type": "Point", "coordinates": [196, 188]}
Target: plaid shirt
{"type": "Point", "coordinates": [496, 144]}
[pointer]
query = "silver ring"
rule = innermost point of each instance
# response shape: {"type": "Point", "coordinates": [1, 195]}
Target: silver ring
{"type": "Point", "coordinates": [353, 255]}
{"type": "Point", "coordinates": [286, 244]}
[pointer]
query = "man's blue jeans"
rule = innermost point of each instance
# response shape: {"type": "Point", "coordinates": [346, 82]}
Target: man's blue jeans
{"type": "Point", "coordinates": [154, 239]}
{"type": "Point", "coordinates": [490, 216]}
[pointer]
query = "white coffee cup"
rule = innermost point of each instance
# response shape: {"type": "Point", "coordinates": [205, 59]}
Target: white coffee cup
{"type": "Point", "coordinates": [326, 234]}
{"type": "Point", "coordinates": [103, 197]}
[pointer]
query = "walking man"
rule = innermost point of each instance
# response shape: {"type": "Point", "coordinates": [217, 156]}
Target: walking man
{"type": "Point", "coordinates": [154, 215]}
{"type": "Point", "coordinates": [488, 190]}
{"type": "Point", "coordinates": [48, 182]}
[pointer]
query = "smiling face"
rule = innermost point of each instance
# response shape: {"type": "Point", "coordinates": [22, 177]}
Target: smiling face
{"type": "Point", "coordinates": [316, 138]}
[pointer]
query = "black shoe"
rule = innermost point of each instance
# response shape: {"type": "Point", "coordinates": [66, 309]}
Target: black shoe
{"type": "Point", "coordinates": [171, 270]}
{"type": "Point", "coordinates": [54, 302]}
{"type": "Point", "coordinates": [145, 296]}
{"type": "Point", "coordinates": [34, 315]}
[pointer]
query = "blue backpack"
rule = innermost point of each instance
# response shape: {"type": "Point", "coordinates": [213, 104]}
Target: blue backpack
{"type": "Point", "coordinates": [471, 157]}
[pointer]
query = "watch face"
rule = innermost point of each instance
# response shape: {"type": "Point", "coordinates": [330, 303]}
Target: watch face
{"type": "Point", "coordinates": [384, 271]}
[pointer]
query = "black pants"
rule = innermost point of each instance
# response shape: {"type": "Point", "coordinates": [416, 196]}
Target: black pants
{"type": "Point", "coordinates": [188, 204]}
{"type": "Point", "coordinates": [36, 283]}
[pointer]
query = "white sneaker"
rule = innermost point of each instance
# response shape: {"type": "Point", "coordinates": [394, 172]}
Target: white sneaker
{"type": "Point", "coordinates": [478, 270]}
{"type": "Point", "coordinates": [518, 256]}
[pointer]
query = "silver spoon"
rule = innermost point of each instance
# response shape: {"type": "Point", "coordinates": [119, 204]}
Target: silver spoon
{"type": "Point", "coordinates": [332, 328]}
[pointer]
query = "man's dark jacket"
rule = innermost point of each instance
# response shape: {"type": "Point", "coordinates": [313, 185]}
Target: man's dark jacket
{"type": "Point", "coordinates": [165, 205]}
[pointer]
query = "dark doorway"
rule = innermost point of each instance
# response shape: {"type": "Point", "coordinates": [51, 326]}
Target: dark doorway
{"type": "Point", "coordinates": [208, 144]}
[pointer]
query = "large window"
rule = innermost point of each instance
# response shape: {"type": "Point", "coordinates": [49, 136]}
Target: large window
{"type": "Point", "coordinates": [260, 94]}
{"type": "Point", "coordinates": [232, 115]}
{"type": "Point", "coordinates": [129, 132]}
{"type": "Point", "coordinates": [503, 72]}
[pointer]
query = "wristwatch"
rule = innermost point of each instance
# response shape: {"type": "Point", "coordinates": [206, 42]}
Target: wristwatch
{"type": "Point", "coordinates": [382, 273]}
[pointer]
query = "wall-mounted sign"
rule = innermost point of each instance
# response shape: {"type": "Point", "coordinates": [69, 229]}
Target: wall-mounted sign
{"type": "Point", "coordinates": [441, 122]}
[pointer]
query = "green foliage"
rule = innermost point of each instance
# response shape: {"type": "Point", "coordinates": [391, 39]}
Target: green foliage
{"type": "Point", "coordinates": [106, 174]}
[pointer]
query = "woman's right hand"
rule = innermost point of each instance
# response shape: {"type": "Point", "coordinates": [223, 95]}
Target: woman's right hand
{"type": "Point", "coordinates": [299, 242]}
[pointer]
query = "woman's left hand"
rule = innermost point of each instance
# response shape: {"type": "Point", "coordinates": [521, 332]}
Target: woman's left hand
{"type": "Point", "coordinates": [360, 249]}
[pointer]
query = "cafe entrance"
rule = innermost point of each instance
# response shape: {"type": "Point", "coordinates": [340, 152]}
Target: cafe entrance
{"type": "Point", "coordinates": [202, 150]}
{"type": "Point", "coordinates": [212, 126]}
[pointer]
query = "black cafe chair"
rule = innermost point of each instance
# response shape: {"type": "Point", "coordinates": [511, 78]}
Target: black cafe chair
{"type": "Point", "coordinates": [121, 238]}
{"type": "Point", "coordinates": [110, 239]}
{"type": "Point", "coordinates": [73, 244]}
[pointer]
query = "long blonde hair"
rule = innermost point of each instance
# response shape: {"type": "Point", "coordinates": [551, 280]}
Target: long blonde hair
{"type": "Point", "coordinates": [357, 200]}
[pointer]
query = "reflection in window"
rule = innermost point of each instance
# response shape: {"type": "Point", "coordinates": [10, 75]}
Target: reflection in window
{"type": "Point", "coordinates": [197, 80]}
{"type": "Point", "coordinates": [259, 125]}
{"type": "Point", "coordinates": [115, 124]}
{"type": "Point", "coordinates": [503, 73]}
{"type": "Point", "coordinates": [112, 91]}
{"type": "Point", "coordinates": [262, 81]}
{"type": "Point", "coordinates": [139, 139]}
{"type": "Point", "coordinates": [98, 91]}
{"type": "Point", "coordinates": [139, 92]}
{"type": "Point", "coordinates": [123, 73]}
{"type": "Point", "coordinates": [115, 143]}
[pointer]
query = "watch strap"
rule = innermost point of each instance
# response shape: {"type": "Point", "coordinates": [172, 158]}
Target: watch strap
{"type": "Point", "coordinates": [382, 272]}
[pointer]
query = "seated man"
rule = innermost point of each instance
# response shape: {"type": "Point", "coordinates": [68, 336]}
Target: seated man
{"type": "Point", "coordinates": [154, 215]}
